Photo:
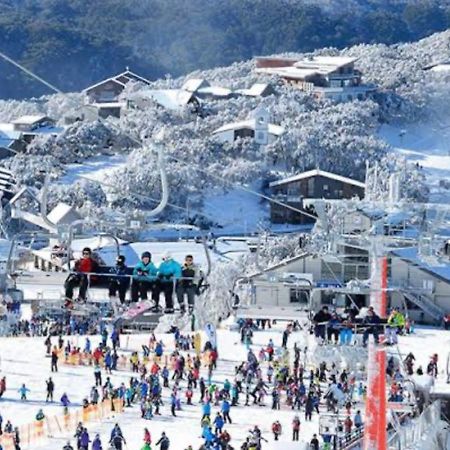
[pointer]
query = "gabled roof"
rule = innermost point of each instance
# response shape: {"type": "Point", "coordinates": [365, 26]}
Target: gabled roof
{"type": "Point", "coordinates": [60, 211]}
{"type": "Point", "coordinates": [167, 98]}
{"type": "Point", "coordinates": [276, 130]}
{"type": "Point", "coordinates": [194, 84]}
{"type": "Point", "coordinates": [256, 90]}
{"type": "Point", "coordinates": [318, 173]}
{"type": "Point", "coordinates": [121, 79]}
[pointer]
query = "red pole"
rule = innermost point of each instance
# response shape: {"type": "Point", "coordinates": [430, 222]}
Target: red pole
{"type": "Point", "coordinates": [375, 434]}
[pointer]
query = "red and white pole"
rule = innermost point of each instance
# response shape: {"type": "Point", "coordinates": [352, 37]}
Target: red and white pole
{"type": "Point", "coordinates": [375, 433]}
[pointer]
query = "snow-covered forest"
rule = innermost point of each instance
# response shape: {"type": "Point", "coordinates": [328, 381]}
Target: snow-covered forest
{"type": "Point", "coordinates": [334, 137]}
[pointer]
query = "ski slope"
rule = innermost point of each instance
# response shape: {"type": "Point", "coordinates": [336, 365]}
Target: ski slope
{"type": "Point", "coordinates": [23, 360]}
{"type": "Point", "coordinates": [427, 145]}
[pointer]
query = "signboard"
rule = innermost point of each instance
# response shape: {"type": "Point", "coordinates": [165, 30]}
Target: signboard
{"type": "Point", "coordinates": [328, 424]}
{"type": "Point", "coordinates": [211, 334]}
{"type": "Point", "coordinates": [328, 284]}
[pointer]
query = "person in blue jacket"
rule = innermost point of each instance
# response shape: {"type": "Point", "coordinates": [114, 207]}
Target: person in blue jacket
{"type": "Point", "coordinates": [226, 410]}
{"type": "Point", "coordinates": [218, 423]}
{"type": "Point", "coordinates": [169, 271]}
{"type": "Point", "coordinates": [206, 409]}
{"type": "Point", "coordinates": [145, 279]}
{"type": "Point", "coordinates": [97, 443]}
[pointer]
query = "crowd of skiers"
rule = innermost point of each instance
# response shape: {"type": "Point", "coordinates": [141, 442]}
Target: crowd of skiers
{"type": "Point", "coordinates": [185, 280]}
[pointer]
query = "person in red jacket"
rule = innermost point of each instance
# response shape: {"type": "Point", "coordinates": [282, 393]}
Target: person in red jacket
{"type": "Point", "coordinates": [348, 423]}
{"type": "Point", "coordinates": [276, 429]}
{"type": "Point", "coordinates": [295, 428]}
{"type": "Point", "coordinates": [83, 266]}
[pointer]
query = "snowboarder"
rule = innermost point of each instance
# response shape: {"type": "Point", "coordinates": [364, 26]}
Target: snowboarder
{"type": "Point", "coordinates": [54, 360]}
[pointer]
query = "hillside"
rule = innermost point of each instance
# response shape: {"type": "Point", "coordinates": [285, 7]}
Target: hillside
{"type": "Point", "coordinates": [77, 42]}
{"type": "Point", "coordinates": [203, 171]}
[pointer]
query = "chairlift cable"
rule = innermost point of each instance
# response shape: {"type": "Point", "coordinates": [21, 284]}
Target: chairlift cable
{"type": "Point", "coordinates": [140, 143]}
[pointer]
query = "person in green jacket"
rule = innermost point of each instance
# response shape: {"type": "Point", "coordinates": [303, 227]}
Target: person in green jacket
{"type": "Point", "coordinates": [396, 324]}
{"type": "Point", "coordinates": [145, 279]}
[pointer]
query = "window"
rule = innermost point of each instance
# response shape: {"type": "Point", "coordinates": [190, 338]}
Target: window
{"type": "Point", "coordinates": [311, 187]}
{"type": "Point", "coordinates": [299, 296]}
{"type": "Point", "coordinates": [325, 187]}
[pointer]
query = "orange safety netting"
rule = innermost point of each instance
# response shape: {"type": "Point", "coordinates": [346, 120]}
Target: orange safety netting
{"type": "Point", "coordinates": [39, 431]}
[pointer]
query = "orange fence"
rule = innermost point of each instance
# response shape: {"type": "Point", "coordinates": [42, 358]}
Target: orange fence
{"type": "Point", "coordinates": [36, 433]}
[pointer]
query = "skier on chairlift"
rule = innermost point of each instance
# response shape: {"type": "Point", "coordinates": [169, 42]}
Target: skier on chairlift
{"type": "Point", "coordinates": [79, 278]}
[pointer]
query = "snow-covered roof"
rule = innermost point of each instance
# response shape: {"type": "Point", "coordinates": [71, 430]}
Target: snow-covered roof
{"type": "Point", "coordinates": [215, 91]}
{"type": "Point", "coordinates": [110, 105]}
{"type": "Point", "coordinates": [60, 211]}
{"type": "Point", "coordinates": [318, 173]}
{"type": "Point", "coordinates": [288, 72]}
{"type": "Point", "coordinates": [304, 68]}
{"type": "Point", "coordinates": [127, 75]}
{"type": "Point", "coordinates": [411, 255]}
{"type": "Point", "coordinates": [30, 119]}
{"type": "Point", "coordinates": [6, 143]}
{"type": "Point", "coordinates": [168, 98]}
{"type": "Point", "coordinates": [445, 67]}
{"type": "Point", "coordinates": [256, 90]}
{"type": "Point", "coordinates": [194, 84]}
{"type": "Point", "coordinates": [328, 61]}
{"type": "Point", "coordinates": [276, 130]}
{"type": "Point", "coordinates": [45, 130]}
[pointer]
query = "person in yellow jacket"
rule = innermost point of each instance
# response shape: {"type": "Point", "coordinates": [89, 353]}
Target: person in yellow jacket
{"type": "Point", "coordinates": [396, 323]}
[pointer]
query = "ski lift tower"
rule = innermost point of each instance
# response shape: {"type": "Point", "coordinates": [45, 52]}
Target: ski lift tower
{"type": "Point", "coordinates": [331, 214]}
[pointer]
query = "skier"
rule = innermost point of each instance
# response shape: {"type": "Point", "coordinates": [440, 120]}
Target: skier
{"type": "Point", "coordinates": [372, 321]}
{"type": "Point", "coordinates": [276, 430]}
{"type": "Point", "coordinates": [295, 428]}
{"type": "Point", "coordinates": [54, 360]}
{"type": "Point", "coordinates": [97, 443]}
{"type": "Point", "coordinates": [68, 446]}
{"type": "Point", "coordinates": [169, 272]}
{"type": "Point", "coordinates": [50, 390]}
{"type": "Point", "coordinates": [83, 266]}
{"type": "Point", "coordinates": [16, 439]}
{"type": "Point", "coordinates": [147, 436]}
{"type": "Point", "coordinates": [84, 439]}
{"type": "Point", "coordinates": [357, 420]}
{"type": "Point", "coordinates": [40, 415]}
{"type": "Point", "coordinates": [163, 442]}
{"type": "Point", "coordinates": [117, 437]}
{"type": "Point", "coordinates": [144, 279]}
{"type": "Point", "coordinates": [23, 392]}
{"type": "Point", "coordinates": [286, 334]}
{"type": "Point", "coordinates": [118, 284]}
{"type": "Point", "coordinates": [226, 411]}
{"type": "Point", "coordinates": [65, 402]}
{"type": "Point", "coordinates": [314, 442]}
{"type": "Point", "coordinates": [189, 283]}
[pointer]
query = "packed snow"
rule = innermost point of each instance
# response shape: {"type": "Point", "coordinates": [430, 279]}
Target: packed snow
{"type": "Point", "coordinates": [30, 366]}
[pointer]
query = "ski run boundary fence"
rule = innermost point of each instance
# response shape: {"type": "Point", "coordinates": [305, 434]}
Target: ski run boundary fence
{"type": "Point", "coordinates": [38, 432]}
